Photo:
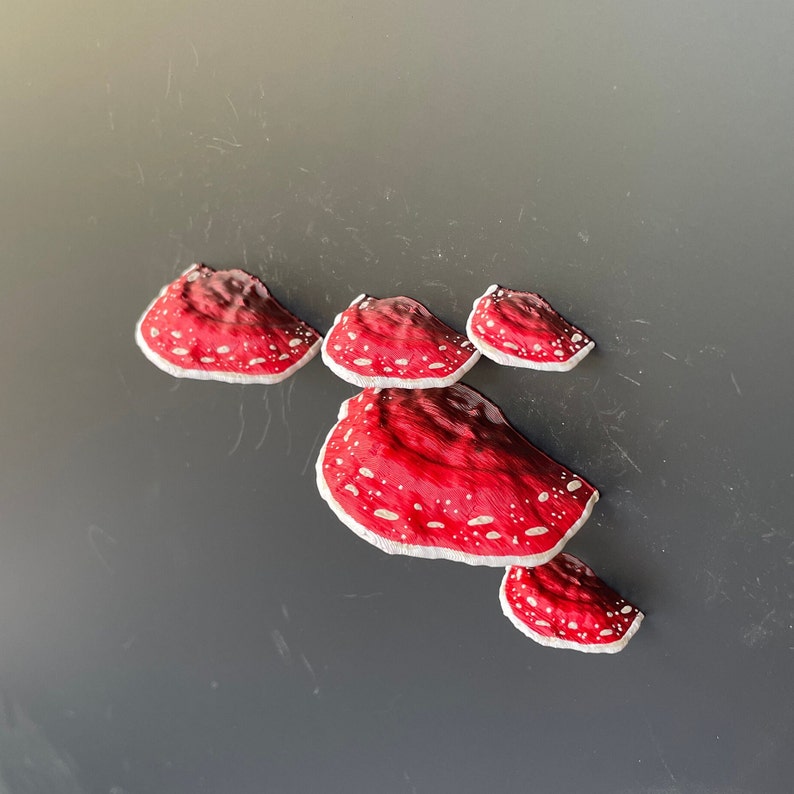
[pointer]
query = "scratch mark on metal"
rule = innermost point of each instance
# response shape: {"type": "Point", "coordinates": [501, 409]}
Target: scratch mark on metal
{"type": "Point", "coordinates": [281, 646]}
{"type": "Point", "coordinates": [266, 399]}
{"type": "Point", "coordinates": [630, 380]}
{"type": "Point", "coordinates": [310, 670]}
{"type": "Point", "coordinates": [231, 105]}
{"type": "Point", "coordinates": [736, 385]}
{"type": "Point", "coordinates": [660, 754]}
{"type": "Point", "coordinates": [240, 434]}
{"type": "Point", "coordinates": [311, 451]}
{"type": "Point", "coordinates": [93, 533]}
{"type": "Point", "coordinates": [669, 355]}
{"type": "Point", "coordinates": [168, 80]}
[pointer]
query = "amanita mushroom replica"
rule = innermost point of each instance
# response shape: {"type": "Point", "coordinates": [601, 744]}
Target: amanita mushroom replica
{"type": "Point", "coordinates": [521, 329]}
{"type": "Point", "coordinates": [395, 343]}
{"type": "Point", "coordinates": [439, 473]}
{"type": "Point", "coordinates": [563, 604]}
{"type": "Point", "coordinates": [223, 325]}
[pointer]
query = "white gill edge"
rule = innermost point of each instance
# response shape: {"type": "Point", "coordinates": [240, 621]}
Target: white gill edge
{"type": "Point", "coordinates": [556, 642]}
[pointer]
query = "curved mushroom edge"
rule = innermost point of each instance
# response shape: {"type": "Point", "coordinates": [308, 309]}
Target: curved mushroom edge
{"type": "Point", "coordinates": [556, 642]}
{"type": "Point", "coordinates": [436, 552]}
{"type": "Point", "coordinates": [199, 374]}
{"type": "Point", "coordinates": [507, 360]}
{"type": "Point", "coordinates": [382, 381]}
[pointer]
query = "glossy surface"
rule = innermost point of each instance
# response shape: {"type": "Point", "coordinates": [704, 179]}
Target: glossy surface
{"type": "Point", "coordinates": [395, 343]}
{"type": "Point", "coordinates": [439, 473]}
{"type": "Point", "coordinates": [563, 604]}
{"type": "Point", "coordinates": [521, 329]}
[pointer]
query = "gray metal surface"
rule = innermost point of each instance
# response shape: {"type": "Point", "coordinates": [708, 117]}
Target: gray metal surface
{"type": "Point", "coordinates": [179, 611]}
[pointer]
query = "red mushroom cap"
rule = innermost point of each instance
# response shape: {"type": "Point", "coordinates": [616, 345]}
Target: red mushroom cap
{"type": "Point", "coordinates": [223, 325]}
{"type": "Point", "coordinates": [521, 329]}
{"type": "Point", "coordinates": [439, 473]}
{"type": "Point", "coordinates": [395, 343]}
{"type": "Point", "coordinates": [563, 604]}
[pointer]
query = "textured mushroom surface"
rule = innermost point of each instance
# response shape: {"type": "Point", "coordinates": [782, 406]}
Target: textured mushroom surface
{"type": "Point", "coordinates": [563, 604]}
{"type": "Point", "coordinates": [223, 325]}
{"type": "Point", "coordinates": [439, 473]}
{"type": "Point", "coordinates": [395, 343]}
{"type": "Point", "coordinates": [521, 329]}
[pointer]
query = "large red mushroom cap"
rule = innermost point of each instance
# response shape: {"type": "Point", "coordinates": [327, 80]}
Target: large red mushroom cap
{"type": "Point", "coordinates": [439, 473]}
{"type": "Point", "coordinates": [395, 343]}
{"type": "Point", "coordinates": [563, 604]}
{"type": "Point", "coordinates": [223, 325]}
{"type": "Point", "coordinates": [521, 329]}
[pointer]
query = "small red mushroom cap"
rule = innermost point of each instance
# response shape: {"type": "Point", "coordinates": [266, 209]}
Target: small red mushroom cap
{"type": "Point", "coordinates": [521, 329]}
{"type": "Point", "coordinates": [439, 473]}
{"type": "Point", "coordinates": [223, 325]}
{"type": "Point", "coordinates": [563, 604]}
{"type": "Point", "coordinates": [395, 343]}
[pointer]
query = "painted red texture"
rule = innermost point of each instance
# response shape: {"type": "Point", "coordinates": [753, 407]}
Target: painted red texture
{"type": "Point", "coordinates": [224, 325]}
{"type": "Point", "coordinates": [439, 473]}
{"type": "Point", "coordinates": [563, 604]}
{"type": "Point", "coordinates": [395, 342]}
{"type": "Point", "coordinates": [521, 329]}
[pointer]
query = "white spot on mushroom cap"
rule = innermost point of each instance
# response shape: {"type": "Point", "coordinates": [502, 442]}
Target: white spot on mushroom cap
{"type": "Point", "coordinates": [493, 536]}
{"type": "Point", "coordinates": [254, 361]}
{"type": "Point", "coordinates": [401, 362]}
{"type": "Point", "coordinates": [574, 485]}
{"type": "Point", "coordinates": [625, 610]}
{"type": "Point", "coordinates": [153, 332]}
{"type": "Point", "coordinates": [542, 497]}
{"type": "Point", "coordinates": [572, 624]}
{"type": "Point", "coordinates": [207, 359]}
{"type": "Point", "coordinates": [475, 522]}
{"type": "Point", "coordinates": [605, 632]}
{"type": "Point", "coordinates": [364, 472]}
{"type": "Point", "coordinates": [387, 514]}
{"type": "Point", "coordinates": [283, 357]}
{"type": "Point", "coordinates": [436, 365]}
{"type": "Point", "coordinates": [222, 349]}
{"type": "Point", "coordinates": [576, 338]}
{"type": "Point", "coordinates": [435, 524]}
{"type": "Point", "coordinates": [362, 362]}
{"type": "Point", "coordinates": [176, 334]}
{"type": "Point", "coordinates": [352, 489]}
{"type": "Point", "coordinates": [533, 531]}
{"type": "Point", "coordinates": [294, 342]}
{"type": "Point", "coordinates": [193, 276]}
{"type": "Point", "coordinates": [180, 351]}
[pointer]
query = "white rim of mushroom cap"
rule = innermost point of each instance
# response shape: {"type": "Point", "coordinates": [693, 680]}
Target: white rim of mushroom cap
{"type": "Point", "coordinates": [200, 374]}
{"type": "Point", "coordinates": [436, 552]}
{"type": "Point", "coordinates": [383, 381]}
{"type": "Point", "coordinates": [508, 360]}
{"type": "Point", "coordinates": [556, 642]}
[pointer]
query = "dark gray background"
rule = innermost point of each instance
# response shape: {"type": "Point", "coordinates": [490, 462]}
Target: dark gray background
{"type": "Point", "coordinates": [179, 611]}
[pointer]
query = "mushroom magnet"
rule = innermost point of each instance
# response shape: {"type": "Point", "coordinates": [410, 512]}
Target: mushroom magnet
{"type": "Point", "coordinates": [521, 329]}
{"type": "Point", "coordinates": [395, 343]}
{"type": "Point", "coordinates": [563, 604]}
{"type": "Point", "coordinates": [223, 325]}
{"type": "Point", "coordinates": [439, 473]}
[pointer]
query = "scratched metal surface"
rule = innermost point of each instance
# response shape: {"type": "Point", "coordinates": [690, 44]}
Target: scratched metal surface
{"type": "Point", "coordinates": [179, 611]}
